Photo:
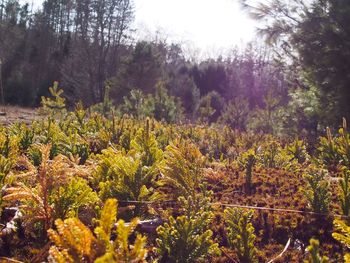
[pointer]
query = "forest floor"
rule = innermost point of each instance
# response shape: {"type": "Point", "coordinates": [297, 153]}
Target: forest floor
{"type": "Point", "coordinates": [13, 114]}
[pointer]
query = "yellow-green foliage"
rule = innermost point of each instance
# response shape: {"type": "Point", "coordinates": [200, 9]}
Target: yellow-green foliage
{"type": "Point", "coordinates": [314, 253]}
{"type": "Point", "coordinates": [74, 242]}
{"type": "Point", "coordinates": [317, 191]}
{"type": "Point", "coordinates": [69, 198]}
{"type": "Point", "coordinates": [120, 250]}
{"type": "Point", "coordinates": [55, 104]}
{"type": "Point", "coordinates": [50, 191]}
{"type": "Point", "coordinates": [271, 154]}
{"type": "Point", "coordinates": [298, 150]}
{"type": "Point", "coordinates": [344, 194]}
{"type": "Point", "coordinates": [128, 179]}
{"type": "Point", "coordinates": [334, 151]}
{"type": "Point", "coordinates": [182, 168]}
{"type": "Point", "coordinates": [247, 161]}
{"type": "Point", "coordinates": [188, 237]}
{"type": "Point", "coordinates": [5, 168]}
{"type": "Point", "coordinates": [240, 234]}
{"type": "Point", "coordinates": [25, 135]}
{"type": "Point", "coordinates": [9, 146]}
{"type": "Point", "coordinates": [145, 146]}
{"type": "Point", "coordinates": [342, 235]}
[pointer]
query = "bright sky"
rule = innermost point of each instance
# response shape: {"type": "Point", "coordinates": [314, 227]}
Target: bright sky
{"type": "Point", "coordinates": [205, 24]}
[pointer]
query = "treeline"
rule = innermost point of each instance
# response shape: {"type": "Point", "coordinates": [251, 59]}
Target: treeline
{"type": "Point", "coordinates": [88, 47]}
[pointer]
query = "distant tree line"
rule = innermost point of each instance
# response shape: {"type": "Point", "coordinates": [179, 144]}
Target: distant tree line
{"type": "Point", "coordinates": [297, 83]}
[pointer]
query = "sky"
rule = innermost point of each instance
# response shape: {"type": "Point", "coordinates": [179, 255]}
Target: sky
{"type": "Point", "coordinates": [206, 25]}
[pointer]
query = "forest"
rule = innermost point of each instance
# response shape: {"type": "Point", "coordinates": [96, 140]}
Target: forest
{"type": "Point", "coordinates": [140, 152]}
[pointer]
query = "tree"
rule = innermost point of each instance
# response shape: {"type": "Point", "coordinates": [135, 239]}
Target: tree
{"type": "Point", "coordinates": [314, 36]}
{"type": "Point", "coordinates": [100, 31]}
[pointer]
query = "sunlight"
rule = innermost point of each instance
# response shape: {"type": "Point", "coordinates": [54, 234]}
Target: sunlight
{"type": "Point", "coordinates": [207, 23]}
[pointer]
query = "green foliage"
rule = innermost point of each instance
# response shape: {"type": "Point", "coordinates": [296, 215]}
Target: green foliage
{"type": "Point", "coordinates": [240, 234]}
{"type": "Point", "coordinates": [166, 107]}
{"type": "Point", "coordinates": [344, 195]}
{"type": "Point", "coordinates": [342, 235]}
{"type": "Point", "coordinates": [335, 151]}
{"type": "Point", "coordinates": [268, 154]}
{"type": "Point", "coordinates": [303, 112]}
{"type": "Point", "coordinates": [49, 192]}
{"type": "Point", "coordinates": [207, 111]}
{"type": "Point", "coordinates": [328, 151]}
{"type": "Point", "coordinates": [247, 161]}
{"type": "Point", "coordinates": [159, 105]}
{"type": "Point", "coordinates": [74, 242]}
{"type": "Point", "coordinates": [145, 146]}
{"type": "Point", "coordinates": [56, 104]}
{"type": "Point", "coordinates": [120, 250]}
{"type": "Point", "coordinates": [182, 169]}
{"type": "Point", "coordinates": [9, 147]}
{"type": "Point", "coordinates": [298, 150]}
{"type": "Point", "coordinates": [131, 180]}
{"type": "Point", "coordinates": [74, 146]}
{"type": "Point", "coordinates": [106, 107]}
{"type": "Point", "coordinates": [25, 134]}
{"type": "Point", "coordinates": [188, 238]}
{"type": "Point", "coordinates": [267, 119]}
{"type": "Point", "coordinates": [271, 154]}
{"type": "Point", "coordinates": [314, 253]}
{"type": "Point", "coordinates": [236, 114]}
{"type": "Point", "coordinates": [71, 197]}
{"type": "Point", "coordinates": [126, 178]}
{"type": "Point", "coordinates": [317, 191]}
{"type": "Point", "coordinates": [135, 105]}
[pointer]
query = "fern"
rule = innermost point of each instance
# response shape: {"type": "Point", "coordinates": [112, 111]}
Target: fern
{"type": "Point", "coordinates": [74, 242]}
{"type": "Point", "coordinates": [182, 168]}
{"type": "Point", "coordinates": [9, 146]}
{"type": "Point", "coordinates": [298, 150]}
{"type": "Point", "coordinates": [40, 198]}
{"type": "Point", "coordinates": [344, 195]}
{"type": "Point", "coordinates": [68, 199]}
{"type": "Point", "coordinates": [241, 234]}
{"type": "Point", "coordinates": [317, 191]}
{"type": "Point", "coordinates": [188, 237]}
{"type": "Point", "coordinates": [342, 235]}
{"type": "Point", "coordinates": [248, 160]}
{"type": "Point", "coordinates": [145, 145]}
{"type": "Point", "coordinates": [126, 178]}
